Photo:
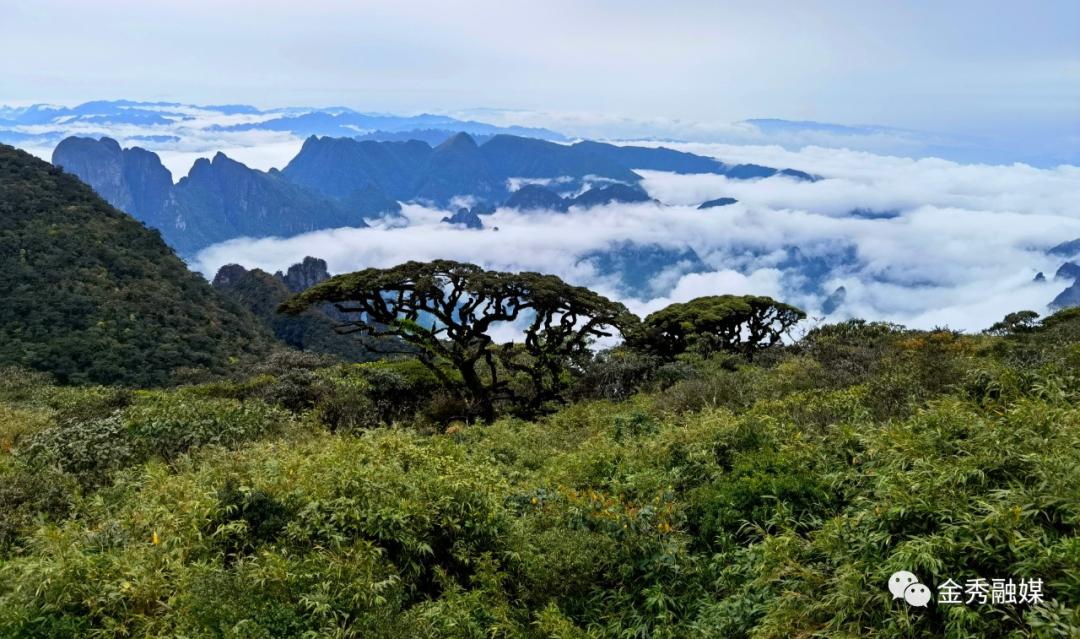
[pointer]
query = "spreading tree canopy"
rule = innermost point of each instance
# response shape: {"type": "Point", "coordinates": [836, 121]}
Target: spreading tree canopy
{"type": "Point", "coordinates": [739, 324]}
{"type": "Point", "coordinates": [446, 311]}
{"type": "Point", "coordinates": [1018, 322]}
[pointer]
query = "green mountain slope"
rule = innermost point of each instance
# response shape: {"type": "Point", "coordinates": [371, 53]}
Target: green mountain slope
{"type": "Point", "coordinates": [91, 295]}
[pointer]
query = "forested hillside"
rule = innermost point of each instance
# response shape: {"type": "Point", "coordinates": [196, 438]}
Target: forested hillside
{"type": "Point", "coordinates": [90, 295]}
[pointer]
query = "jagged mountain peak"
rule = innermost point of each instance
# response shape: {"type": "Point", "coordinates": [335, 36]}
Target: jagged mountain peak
{"type": "Point", "coordinates": [460, 140]}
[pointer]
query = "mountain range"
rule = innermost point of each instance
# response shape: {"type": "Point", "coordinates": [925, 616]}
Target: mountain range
{"type": "Point", "coordinates": [337, 182]}
{"type": "Point", "coordinates": [158, 122]}
{"type": "Point", "coordinates": [219, 199]}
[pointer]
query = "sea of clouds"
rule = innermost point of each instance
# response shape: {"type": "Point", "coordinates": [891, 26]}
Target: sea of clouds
{"type": "Point", "coordinates": [960, 248]}
{"type": "Point", "coordinates": [958, 244]}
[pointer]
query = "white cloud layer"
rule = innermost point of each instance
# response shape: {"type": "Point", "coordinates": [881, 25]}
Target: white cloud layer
{"type": "Point", "coordinates": [962, 249]}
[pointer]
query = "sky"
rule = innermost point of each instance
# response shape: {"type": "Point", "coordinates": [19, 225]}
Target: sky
{"type": "Point", "coordinates": [1005, 71]}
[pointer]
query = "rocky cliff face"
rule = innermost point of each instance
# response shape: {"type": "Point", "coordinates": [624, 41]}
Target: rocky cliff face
{"type": "Point", "coordinates": [1067, 298]}
{"type": "Point", "coordinates": [465, 217]}
{"type": "Point", "coordinates": [302, 276]}
{"type": "Point", "coordinates": [336, 182]}
{"type": "Point", "coordinates": [459, 166]}
{"type": "Point", "coordinates": [1068, 272]}
{"type": "Point", "coordinates": [99, 163]}
{"type": "Point", "coordinates": [219, 199]}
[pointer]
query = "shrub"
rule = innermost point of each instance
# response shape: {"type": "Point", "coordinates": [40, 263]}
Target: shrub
{"type": "Point", "coordinates": [399, 389]}
{"type": "Point", "coordinates": [283, 361]}
{"type": "Point", "coordinates": [88, 402]}
{"type": "Point", "coordinates": [616, 374]}
{"type": "Point", "coordinates": [20, 385]}
{"type": "Point", "coordinates": [17, 425]}
{"type": "Point", "coordinates": [88, 450]}
{"type": "Point", "coordinates": [29, 496]}
{"type": "Point", "coordinates": [346, 407]}
{"type": "Point", "coordinates": [297, 390]}
{"type": "Point", "coordinates": [168, 425]}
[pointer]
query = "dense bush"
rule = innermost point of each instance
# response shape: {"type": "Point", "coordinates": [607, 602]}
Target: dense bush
{"type": "Point", "coordinates": [616, 374]}
{"type": "Point", "coordinates": [168, 425]}
{"type": "Point", "coordinates": [722, 499]}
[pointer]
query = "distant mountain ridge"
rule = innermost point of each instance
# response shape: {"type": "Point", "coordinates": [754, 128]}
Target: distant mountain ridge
{"type": "Point", "coordinates": [459, 166]}
{"type": "Point", "coordinates": [1069, 272]}
{"type": "Point", "coordinates": [45, 124]}
{"type": "Point", "coordinates": [218, 200]}
{"type": "Point", "coordinates": [337, 182]}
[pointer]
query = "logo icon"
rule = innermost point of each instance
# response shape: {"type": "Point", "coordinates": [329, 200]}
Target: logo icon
{"type": "Point", "coordinates": [905, 585]}
{"type": "Point", "coordinates": [917, 595]}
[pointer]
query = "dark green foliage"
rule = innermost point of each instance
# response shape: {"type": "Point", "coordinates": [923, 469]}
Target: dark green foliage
{"type": "Point", "coordinates": [849, 352]}
{"type": "Point", "coordinates": [1050, 343]}
{"type": "Point", "coordinates": [246, 519]}
{"type": "Point", "coordinates": [445, 310]}
{"type": "Point", "coordinates": [399, 389]}
{"type": "Point", "coordinates": [91, 296]}
{"type": "Point", "coordinates": [739, 324]}
{"type": "Point", "coordinates": [29, 497]}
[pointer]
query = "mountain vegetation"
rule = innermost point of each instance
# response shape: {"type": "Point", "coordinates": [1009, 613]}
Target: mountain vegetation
{"type": "Point", "coordinates": [447, 311]}
{"type": "Point", "coordinates": [92, 296]}
{"type": "Point", "coordinates": [700, 497]}
{"type": "Point", "coordinates": [739, 324]}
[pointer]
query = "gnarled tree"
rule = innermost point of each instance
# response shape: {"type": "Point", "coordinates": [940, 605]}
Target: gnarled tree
{"type": "Point", "coordinates": [446, 311]}
{"type": "Point", "coordinates": [732, 323]}
{"type": "Point", "coordinates": [1015, 323]}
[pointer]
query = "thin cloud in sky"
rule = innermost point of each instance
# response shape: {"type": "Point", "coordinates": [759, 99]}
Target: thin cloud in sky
{"type": "Point", "coordinates": [1006, 70]}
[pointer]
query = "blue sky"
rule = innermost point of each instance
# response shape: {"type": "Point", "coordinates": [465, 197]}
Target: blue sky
{"type": "Point", "coordinates": [1002, 71]}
